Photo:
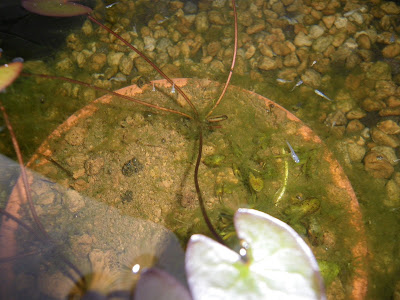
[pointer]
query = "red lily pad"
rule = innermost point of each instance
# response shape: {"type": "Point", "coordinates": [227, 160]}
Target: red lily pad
{"type": "Point", "coordinates": [55, 8]}
{"type": "Point", "coordinates": [8, 73]}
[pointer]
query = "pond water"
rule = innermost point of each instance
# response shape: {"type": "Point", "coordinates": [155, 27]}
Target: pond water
{"type": "Point", "coordinates": [333, 64]}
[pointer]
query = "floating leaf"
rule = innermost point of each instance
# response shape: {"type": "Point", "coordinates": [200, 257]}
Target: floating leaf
{"type": "Point", "coordinates": [156, 284]}
{"type": "Point", "coordinates": [278, 264]}
{"type": "Point", "coordinates": [8, 73]}
{"type": "Point", "coordinates": [55, 8]}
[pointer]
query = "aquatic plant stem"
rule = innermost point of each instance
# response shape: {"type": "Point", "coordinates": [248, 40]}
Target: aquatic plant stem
{"type": "Point", "coordinates": [201, 201]}
{"type": "Point", "coordinates": [147, 60]}
{"type": "Point", "coordinates": [109, 92]}
{"type": "Point", "coordinates": [282, 190]}
{"type": "Point", "coordinates": [23, 171]}
{"type": "Point", "coordinates": [233, 61]}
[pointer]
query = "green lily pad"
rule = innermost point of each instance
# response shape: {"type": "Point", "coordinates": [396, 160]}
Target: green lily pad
{"type": "Point", "coordinates": [8, 73]}
{"type": "Point", "coordinates": [55, 8]}
{"type": "Point", "coordinates": [278, 264]}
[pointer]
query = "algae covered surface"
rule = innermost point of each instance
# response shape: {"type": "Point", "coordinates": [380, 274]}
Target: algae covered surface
{"type": "Point", "coordinates": [141, 162]}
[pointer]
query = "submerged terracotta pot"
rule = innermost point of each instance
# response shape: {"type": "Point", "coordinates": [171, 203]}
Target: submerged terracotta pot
{"type": "Point", "coordinates": [339, 192]}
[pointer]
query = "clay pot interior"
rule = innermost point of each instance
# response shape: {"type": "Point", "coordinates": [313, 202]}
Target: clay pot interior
{"type": "Point", "coordinates": [124, 177]}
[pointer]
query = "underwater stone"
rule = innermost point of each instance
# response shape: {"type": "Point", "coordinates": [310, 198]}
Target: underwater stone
{"type": "Point", "coordinates": [126, 65]}
{"type": "Point", "coordinates": [190, 7]}
{"type": "Point", "coordinates": [379, 71]}
{"type": "Point", "coordinates": [302, 40]}
{"type": "Point", "coordinates": [311, 78]}
{"type": "Point", "coordinates": [376, 166]}
{"type": "Point", "coordinates": [315, 32]}
{"type": "Point", "coordinates": [131, 166]}
{"type": "Point", "coordinates": [382, 138]}
{"type": "Point", "coordinates": [97, 62]}
{"type": "Point", "coordinates": [356, 152]}
{"type": "Point", "coordinates": [391, 51]}
{"type": "Point", "coordinates": [393, 194]}
{"type": "Point", "coordinates": [201, 22]}
{"type": "Point", "coordinates": [113, 58]}
{"type": "Point", "coordinates": [266, 63]}
{"type": "Point", "coordinates": [322, 43]}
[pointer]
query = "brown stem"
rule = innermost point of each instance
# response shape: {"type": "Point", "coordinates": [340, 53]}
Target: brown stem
{"type": "Point", "coordinates": [109, 92]}
{"type": "Point", "coordinates": [196, 183]}
{"type": "Point", "coordinates": [233, 61]}
{"type": "Point", "coordinates": [23, 171]}
{"type": "Point", "coordinates": [21, 223]}
{"type": "Point", "coordinates": [147, 60]}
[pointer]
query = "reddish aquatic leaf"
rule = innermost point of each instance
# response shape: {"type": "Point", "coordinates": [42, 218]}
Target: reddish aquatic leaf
{"type": "Point", "coordinates": [8, 73]}
{"type": "Point", "coordinates": [55, 8]}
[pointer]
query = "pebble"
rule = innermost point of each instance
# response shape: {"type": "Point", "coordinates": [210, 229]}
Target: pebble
{"type": "Point", "coordinates": [267, 63]}
{"type": "Point", "coordinates": [391, 51]}
{"type": "Point", "coordinates": [356, 152]}
{"type": "Point", "coordinates": [379, 71]}
{"type": "Point", "coordinates": [354, 126]}
{"type": "Point", "coordinates": [388, 127]}
{"type": "Point", "coordinates": [377, 166]}
{"type": "Point", "coordinates": [381, 138]}
{"type": "Point", "coordinates": [113, 58]}
{"type": "Point", "coordinates": [316, 31]}
{"type": "Point", "coordinates": [322, 43]}
{"type": "Point", "coordinates": [311, 78]}
{"type": "Point", "coordinates": [201, 22]}
{"type": "Point", "coordinates": [364, 42]}
{"type": "Point", "coordinates": [302, 40]}
{"type": "Point", "coordinates": [393, 194]}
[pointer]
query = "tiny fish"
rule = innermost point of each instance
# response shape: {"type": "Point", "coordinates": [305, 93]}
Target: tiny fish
{"type": "Point", "coordinates": [291, 21]}
{"type": "Point", "coordinates": [162, 21]}
{"type": "Point", "coordinates": [319, 93]}
{"type": "Point", "coordinates": [111, 5]}
{"type": "Point", "coordinates": [349, 13]}
{"type": "Point", "coordinates": [300, 82]}
{"type": "Point", "coordinates": [173, 89]}
{"type": "Point", "coordinates": [118, 79]}
{"type": "Point", "coordinates": [293, 154]}
{"type": "Point", "coordinates": [313, 63]}
{"type": "Point", "coordinates": [281, 80]}
{"type": "Point", "coordinates": [154, 88]}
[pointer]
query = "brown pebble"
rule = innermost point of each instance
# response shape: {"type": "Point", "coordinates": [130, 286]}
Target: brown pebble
{"type": "Point", "coordinates": [377, 165]}
{"type": "Point", "coordinates": [389, 127]}
{"type": "Point", "coordinates": [372, 105]}
{"type": "Point", "coordinates": [354, 126]}
{"type": "Point", "coordinates": [390, 111]}
{"type": "Point", "coordinates": [393, 101]}
{"type": "Point", "coordinates": [356, 114]}
{"type": "Point", "coordinates": [364, 42]}
{"type": "Point", "coordinates": [391, 51]}
{"type": "Point", "coordinates": [381, 138]}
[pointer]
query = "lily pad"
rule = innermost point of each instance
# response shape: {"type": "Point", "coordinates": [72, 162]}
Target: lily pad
{"type": "Point", "coordinates": [55, 8]}
{"type": "Point", "coordinates": [278, 263]}
{"type": "Point", "coordinates": [8, 73]}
